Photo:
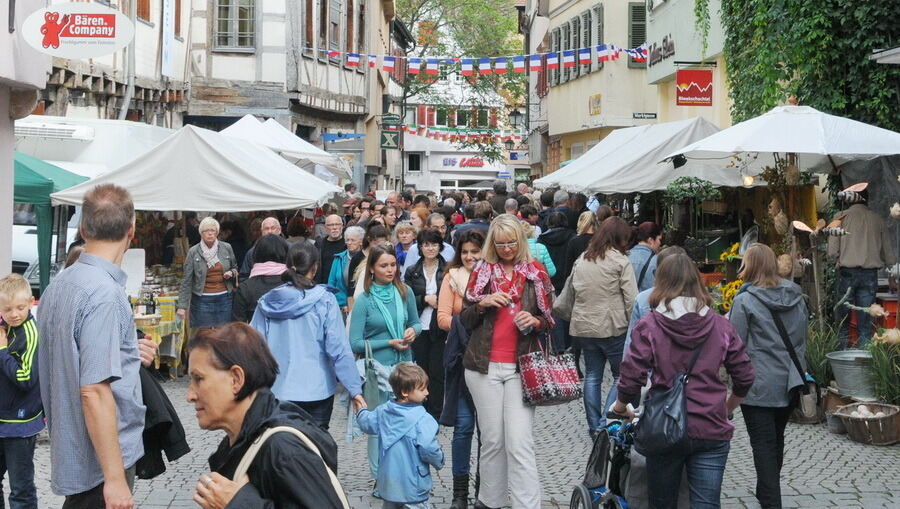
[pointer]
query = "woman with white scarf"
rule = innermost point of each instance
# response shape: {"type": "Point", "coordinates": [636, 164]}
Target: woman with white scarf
{"type": "Point", "coordinates": [459, 413]}
{"type": "Point", "coordinates": [210, 272]}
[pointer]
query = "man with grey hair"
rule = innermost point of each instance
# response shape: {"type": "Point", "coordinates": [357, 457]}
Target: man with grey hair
{"type": "Point", "coordinates": [498, 201]}
{"type": "Point", "coordinates": [329, 245]}
{"type": "Point", "coordinates": [270, 226]}
{"type": "Point", "coordinates": [438, 223]}
{"type": "Point", "coordinates": [90, 359]}
{"type": "Point", "coordinates": [511, 206]}
{"type": "Point", "coordinates": [522, 188]}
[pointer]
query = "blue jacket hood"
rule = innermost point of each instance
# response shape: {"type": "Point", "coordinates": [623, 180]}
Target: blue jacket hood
{"type": "Point", "coordinates": [285, 302]}
{"type": "Point", "coordinates": [402, 417]}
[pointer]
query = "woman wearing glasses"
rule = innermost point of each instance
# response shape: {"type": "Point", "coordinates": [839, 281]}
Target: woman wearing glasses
{"type": "Point", "coordinates": [508, 302]}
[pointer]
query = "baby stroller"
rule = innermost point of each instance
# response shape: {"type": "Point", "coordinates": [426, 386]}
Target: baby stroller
{"type": "Point", "coordinates": [607, 469]}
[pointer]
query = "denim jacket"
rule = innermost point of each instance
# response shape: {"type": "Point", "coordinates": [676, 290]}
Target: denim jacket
{"type": "Point", "coordinates": [195, 272]}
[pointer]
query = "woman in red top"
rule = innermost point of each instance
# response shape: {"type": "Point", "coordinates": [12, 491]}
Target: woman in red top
{"type": "Point", "coordinates": [508, 304]}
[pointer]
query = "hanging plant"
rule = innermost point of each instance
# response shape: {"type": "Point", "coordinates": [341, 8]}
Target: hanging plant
{"type": "Point", "coordinates": [691, 188]}
{"type": "Point", "coordinates": [702, 23]}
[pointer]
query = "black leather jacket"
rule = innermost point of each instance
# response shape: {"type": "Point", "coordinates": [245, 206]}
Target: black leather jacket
{"type": "Point", "coordinates": [415, 279]}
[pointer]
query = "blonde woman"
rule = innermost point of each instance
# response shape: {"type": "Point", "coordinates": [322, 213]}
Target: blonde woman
{"type": "Point", "coordinates": [403, 238]}
{"type": "Point", "coordinates": [210, 270]}
{"type": "Point", "coordinates": [508, 304]}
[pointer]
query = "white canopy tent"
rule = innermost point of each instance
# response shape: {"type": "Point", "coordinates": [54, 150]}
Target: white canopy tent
{"type": "Point", "coordinates": [198, 169]}
{"type": "Point", "coordinates": [627, 161]}
{"type": "Point", "coordinates": [821, 141]}
{"type": "Point", "coordinates": [275, 136]}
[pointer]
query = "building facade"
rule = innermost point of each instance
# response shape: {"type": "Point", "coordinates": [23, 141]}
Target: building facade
{"type": "Point", "coordinates": [586, 102]}
{"type": "Point", "coordinates": [675, 44]}
{"type": "Point", "coordinates": [534, 25]}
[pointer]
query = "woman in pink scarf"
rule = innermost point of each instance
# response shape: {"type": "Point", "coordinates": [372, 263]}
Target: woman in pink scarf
{"type": "Point", "coordinates": [268, 266]}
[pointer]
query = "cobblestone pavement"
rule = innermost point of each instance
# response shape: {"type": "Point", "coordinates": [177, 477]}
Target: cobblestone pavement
{"type": "Point", "coordinates": [821, 469]}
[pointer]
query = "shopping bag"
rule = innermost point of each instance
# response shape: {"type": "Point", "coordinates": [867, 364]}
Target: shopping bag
{"type": "Point", "coordinates": [548, 379]}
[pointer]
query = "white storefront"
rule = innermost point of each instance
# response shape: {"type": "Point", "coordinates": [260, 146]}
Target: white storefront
{"type": "Point", "coordinates": [435, 165]}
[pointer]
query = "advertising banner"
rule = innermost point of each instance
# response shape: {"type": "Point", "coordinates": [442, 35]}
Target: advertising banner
{"type": "Point", "coordinates": [167, 67]}
{"type": "Point", "coordinates": [77, 30]}
{"type": "Point", "coordinates": [693, 87]}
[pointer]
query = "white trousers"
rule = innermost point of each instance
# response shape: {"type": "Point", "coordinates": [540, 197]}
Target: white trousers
{"type": "Point", "coordinates": [508, 466]}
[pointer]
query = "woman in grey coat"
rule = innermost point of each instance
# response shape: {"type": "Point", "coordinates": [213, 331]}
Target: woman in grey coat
{"type": "Point", "coordinates": [210, 270]}
{"type": "Point", "coordinates": [775, 392]}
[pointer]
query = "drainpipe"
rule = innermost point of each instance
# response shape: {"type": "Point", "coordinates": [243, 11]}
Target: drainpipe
{"type": "Point", "coordinates": [129, 92]}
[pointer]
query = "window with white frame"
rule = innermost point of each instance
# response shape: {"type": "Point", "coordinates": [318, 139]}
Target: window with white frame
{"type": "Point", "coordinates": [235, 25]}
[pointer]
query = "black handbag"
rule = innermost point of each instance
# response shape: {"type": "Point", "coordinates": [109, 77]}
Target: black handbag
{"type": "Point", "coordinates": [662, 427]}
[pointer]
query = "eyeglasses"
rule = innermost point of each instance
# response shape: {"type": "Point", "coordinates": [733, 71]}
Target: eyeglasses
{"type": "Point", "coordinates": [505, 245]}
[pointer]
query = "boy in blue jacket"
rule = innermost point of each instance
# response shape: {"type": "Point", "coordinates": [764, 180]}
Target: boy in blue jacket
{"type": "Point", "coordinates": [21, 411]}
{"type": "Point", "coordinates": [407, 440]}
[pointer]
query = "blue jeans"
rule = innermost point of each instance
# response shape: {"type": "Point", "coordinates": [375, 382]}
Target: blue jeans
{"type": "Point", "coordinates": [17, 458]}
{"type": "Point", "coordinates": [596, 352]}
{"type": "Point", "coordinates": [863, 284]}
{"type": "Point", "coordinates": [461, 444]}
{"type": "Point", "coordinates": [705, 461]}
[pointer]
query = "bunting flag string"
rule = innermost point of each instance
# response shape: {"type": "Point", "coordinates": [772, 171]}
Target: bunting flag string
{"type": "Point", "coordinates": [469, 66]}
{"type": "Point", "coordinates": [461, 134]}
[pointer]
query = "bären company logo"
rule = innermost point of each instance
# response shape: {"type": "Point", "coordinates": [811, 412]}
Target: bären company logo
{"type": "Point", "coordinates": [77, 30]}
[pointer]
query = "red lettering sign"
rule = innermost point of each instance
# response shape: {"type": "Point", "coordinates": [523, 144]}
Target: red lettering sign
{"type": "Point", "coordinates": [471, 162]}
{"type": "Point", "coordinates": [90, 25]}
{"type": "Point", "coordinates": [693, 87]}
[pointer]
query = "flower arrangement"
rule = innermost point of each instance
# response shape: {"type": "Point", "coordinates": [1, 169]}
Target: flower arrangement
{"type": "Point", "coordinates": [731, 253]}
{"type": "Point", "coordinates": [724, 295]}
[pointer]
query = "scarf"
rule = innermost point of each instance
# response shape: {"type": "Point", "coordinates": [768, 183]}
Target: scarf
{"type": "Point", "coordinates": [268, 269]}
{"type": "Point", "coordinates": [493, 273]}
{"type": "Point", "coordinates": [387, 295]}
{"type": "Point", "coordinates": [459, 279]}
{"type": "Point", "coordinates": [210, 254]}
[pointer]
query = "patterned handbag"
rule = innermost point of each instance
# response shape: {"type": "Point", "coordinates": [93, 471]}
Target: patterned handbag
{"type": "Point", "coordinates": [547, 378]}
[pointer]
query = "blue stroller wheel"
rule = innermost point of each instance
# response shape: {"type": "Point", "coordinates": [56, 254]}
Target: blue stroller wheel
{"type": "Point", "coordinates": [582, 498]}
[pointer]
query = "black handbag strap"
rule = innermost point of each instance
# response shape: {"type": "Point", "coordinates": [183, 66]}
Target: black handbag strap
{"type": "Point", "coordinates": [644, 270]}
{"type": "Point", "coordinates": [782, 331]}
{"type": "Point", "coordinates": [694, 358]}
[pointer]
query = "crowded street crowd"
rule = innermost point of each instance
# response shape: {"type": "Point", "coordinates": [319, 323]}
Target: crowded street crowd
{"type": "Point", "coordinates": [406, 314]}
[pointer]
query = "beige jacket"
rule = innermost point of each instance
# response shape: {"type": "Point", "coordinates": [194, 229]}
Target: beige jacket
{"type": "Point", "coordinates": [602, 295]}
{"type": "Point", "coordinates": [868, 245]}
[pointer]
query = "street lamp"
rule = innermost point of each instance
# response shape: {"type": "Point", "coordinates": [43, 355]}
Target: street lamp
{"type": "Point", "coordinates": [509, 144]}
{"type": "Point", "coordinates": [515, 117]}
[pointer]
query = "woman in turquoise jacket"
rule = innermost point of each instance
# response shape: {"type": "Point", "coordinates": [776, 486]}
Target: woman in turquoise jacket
{"type": "Point", "coordinates": [538, 251]}
{"type": "Point", "coordinates": [386, 318]}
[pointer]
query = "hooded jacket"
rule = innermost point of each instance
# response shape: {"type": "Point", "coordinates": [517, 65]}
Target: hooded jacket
{"type": "Point", "coordinates": [306, 334]}
{"type": "Point", "coordinates": [776, 374]}
{"type": "Point", "coordinates": [285, 474]}
{"type": "Point", "coordinates": [21, 410]}
{"type": "Point", "coordinates": [664, 342]}
{"type": "Point", "coordinates": [557, 241]}
{"type": "Point", "coordinates": [407, 445]}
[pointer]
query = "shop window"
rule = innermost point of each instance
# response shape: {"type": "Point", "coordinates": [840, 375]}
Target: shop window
{"type": "Point", "coordinates": [235, 25]}
{"type": "Point", "coordinates": [414, 163]}
{"type": "Point", "coordinates": [637, 30]}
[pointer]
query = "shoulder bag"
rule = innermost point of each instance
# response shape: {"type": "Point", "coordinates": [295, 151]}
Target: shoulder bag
{"type": "Point", "coordinates": [662, 427]}
{"type": "Point", "coordinates": [807, 410]}
{"type": "Point", "coordinates": [644, 271]}
{"type": "Point", "coordinates": [547, 378]}
{"type": "Point", "coordinates": [371, 392]}
{"type": "Point", "coordinates": [248, 457]}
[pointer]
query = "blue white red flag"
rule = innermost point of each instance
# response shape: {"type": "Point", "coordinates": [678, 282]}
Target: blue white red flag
{"type": "Point", "coordinates": [388, 64]}
{"type": "Point", "coordinates": [415, 65]}
{"type": "Point", "coordinates": [484, 66]}
{"type": "Point", "coordinates": [569, 58]}
{"type": "Point", "coordinates": [518, 64]}
{"type": "Point", "coordinates": [584, 56]}
{"type": "Point", "coordinates": [534, 63]}
{"type": "Point", "coordinates": [431, 67]}
{"type": "Point", "coordinates": [553, 60]}
{"type": "Point", "coordinates": [467, 67]}
{"type": "Point", "coordinates": [500, 65]}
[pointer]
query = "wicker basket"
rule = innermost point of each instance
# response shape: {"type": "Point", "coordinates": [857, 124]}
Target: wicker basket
{"type": "Point", "coordinates": [872, 430]}
{"type": "Point", "coordinates": [147, 320]}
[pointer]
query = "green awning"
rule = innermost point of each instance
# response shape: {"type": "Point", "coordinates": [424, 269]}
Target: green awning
{"type": "Point", "coordinates": [35, 181]}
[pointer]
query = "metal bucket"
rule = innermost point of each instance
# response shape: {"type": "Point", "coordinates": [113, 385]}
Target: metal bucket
{"type": "Point", "coordinates": [852, 372]}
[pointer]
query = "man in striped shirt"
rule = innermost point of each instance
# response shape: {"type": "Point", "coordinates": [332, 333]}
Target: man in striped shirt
{"type": "Point", "coordinates": [21, 411]}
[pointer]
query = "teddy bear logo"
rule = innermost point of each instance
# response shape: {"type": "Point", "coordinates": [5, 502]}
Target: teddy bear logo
{"type": "Point", "coordinates": [51, 29]}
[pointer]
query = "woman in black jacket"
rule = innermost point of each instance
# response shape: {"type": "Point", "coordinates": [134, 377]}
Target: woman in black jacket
{"type": "Point", "coordinates": [424, 279]}
{"type": "Point", "coordinates": [232, 372]}
{"type": "Point", "coordinates": [556, 238]}
{"type": "Point", "coordinates": [268, 265]}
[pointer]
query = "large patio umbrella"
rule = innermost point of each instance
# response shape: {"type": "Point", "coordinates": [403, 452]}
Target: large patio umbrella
{"type": "Point", "coordinates": [821, 141]}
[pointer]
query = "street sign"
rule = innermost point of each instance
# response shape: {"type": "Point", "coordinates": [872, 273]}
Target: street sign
{"type": "Point", "coordinates": [390, 139]}
{"type": "Point", "coordinates": [504, 175]}
{"type": "Point", "coordinates": [390, 119]}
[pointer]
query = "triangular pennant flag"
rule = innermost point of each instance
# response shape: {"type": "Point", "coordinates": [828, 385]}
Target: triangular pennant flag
{"type": "Point", "coordinates": [372, 59]}
{"type": "Point", "coordinates": [431, 66]}
{"type": "Point", "coordinates": [467, 67]}
{"type": "Point", "coordinates": [534, 63]}
{"type": "Point", "coordinates": [553, 60]}
{"type": "Point", "coordinates": [569, 58]}
{"type": "Point", "coordinates": [415, 65]}
{"type": "Point", "coordinates": [500, 65]}
{"type": "Point", "coordinates": [518, 64]}
{"type": "Point", "coordinates": [484, 66]}
{"type": "Point", "coordinates": [584, 56]}
{"type": "Point", "coordinates": [388, 64]}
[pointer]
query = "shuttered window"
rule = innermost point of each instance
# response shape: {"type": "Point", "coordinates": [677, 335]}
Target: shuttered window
{"type": "Point", "coordinates": [637, 30]}
{"type": "Point", "coordinates": [587, 39]}
{"type": "Point", "coordinates": [555, 45]}
{"type": "Point", "coordinates": [598, 32]}
{"type": "Point", "coordinates": [565, 44]}
{"type": "Point", "coordinates": [576, 45]}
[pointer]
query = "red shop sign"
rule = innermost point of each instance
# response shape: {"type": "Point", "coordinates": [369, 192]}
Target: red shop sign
{"type": "Point", "coordinates": [471, 162]}
{"type": "Point", "coordinates": [77, 30]}
{"type": "Point", "coordinates": [693, 87]}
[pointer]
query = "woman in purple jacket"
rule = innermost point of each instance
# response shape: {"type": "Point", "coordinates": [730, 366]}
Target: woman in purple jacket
{"type": "Point", "coordinates": [663, 342]}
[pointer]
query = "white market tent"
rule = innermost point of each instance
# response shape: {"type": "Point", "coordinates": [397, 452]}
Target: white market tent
{"type": "Point", "coordinates": [821, 141]}
{"type": "Point", "coordinates": [198, 169]}
{"type": "Point", "coordinates": [628, 161]}
{"type": "Point", "coordinates": [275, 136]}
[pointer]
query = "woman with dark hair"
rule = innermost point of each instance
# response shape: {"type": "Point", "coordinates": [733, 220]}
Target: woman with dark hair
{"type": "Point", "coordinates": [647, 239]}
{"type": "Point", "coordinates": [385, 320]}
{"type": "Point", "coordinates": [303, 325]}
{"type": "Point", "coordinates": [556, 238]}
{"type": "Point", "coordinates": [231, 373]}
{"type": "Point", "coordinates": [587, 225]}
{"type": "Point", "coordinates": [268, 265]}
{"type": "Point", "coordinates": [237, 238]}
{"type": "Point", "coordinates": [508, 302]}
{"type": "Point", "coordinates": [458, 411]}
{"type": "Point", "coordinates": [681, 325]}
{"type": "Point", "coordinates": [602, 294]}
{"type": "Point", "coordinates": [297, 230]}
{"type": "Point", "coordinates": [769, 403]}
{"type": "Point", "coordinates": [375, 234]}
{"type": "Point", "coordinates": [424, 279]}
